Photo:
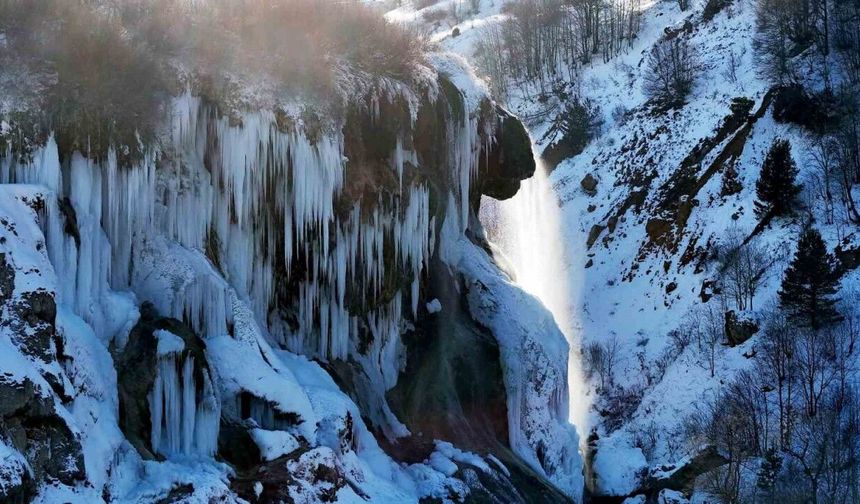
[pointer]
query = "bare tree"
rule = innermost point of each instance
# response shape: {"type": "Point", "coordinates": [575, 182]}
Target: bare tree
{"type": "Point", "coordinates": [672, 67]}
{"type": "Point", "coordinates": [601, 358]}
{"type": "Point", "coordinates": [778, 367]}
{"type": "Point", "coordinates": [744, 266]}
{"type": "Point", "coordinates": [707, 325]}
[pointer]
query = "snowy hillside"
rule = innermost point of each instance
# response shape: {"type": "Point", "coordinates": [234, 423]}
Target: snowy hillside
{"type": "Point", "coordinates": [648, 213]}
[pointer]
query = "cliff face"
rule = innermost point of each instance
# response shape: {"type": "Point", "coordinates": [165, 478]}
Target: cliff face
{"type": "Point", "coordinates": [262, 300]}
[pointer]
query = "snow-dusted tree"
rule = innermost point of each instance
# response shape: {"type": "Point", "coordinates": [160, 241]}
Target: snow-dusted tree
{"type": "Point", "coordinates": [671, 73]}
{"type": "Point", "coordinates": [776, 188]}
{"type": "Point", "coordinates": [808, 291]}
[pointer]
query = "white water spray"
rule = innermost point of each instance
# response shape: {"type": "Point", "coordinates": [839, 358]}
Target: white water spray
{"type": "Point", "coordinates": [528, 230]}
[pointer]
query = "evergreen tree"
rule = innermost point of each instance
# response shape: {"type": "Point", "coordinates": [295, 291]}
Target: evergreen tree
{"type": "Point", "coordinates": [776, 187]}
{"type": "Point", "coordinates": [768, 473]}
{"type": "Point", "coordinates": [809, 284]}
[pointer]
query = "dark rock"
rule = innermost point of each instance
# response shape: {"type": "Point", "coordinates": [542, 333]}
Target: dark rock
{"type": "Point", "coordinates": [590, 263]}
{"type": "Point", "coordinates": [42, 305]}
{"type": "Point", "coordinates": [38, 311]}
{"type": "Point", "coordinates": [738, 330]}
{"type": "Point", "coordinates": [670, 287]}
{"type": "Point", "coordinates": [455, 32]}
{"type": "Point", "coordinates": [7, 279]}
{"type": "Point", "coordinates": [71, 218]}
{"type": "Point", "coordinates": [589, 184]}
{"type": "Point", "coordinates": [312, 475]}
{"type": "Point", "coordinates": [508, 160]}
{"type": "Point", "coordinates": [594, 234]}
{"type": "Point", "coordinates": [453, 388]}
{"type": "Point", "coordinates": [136, 367]}
{"type": "Point", "coordinates": [31, 423]}
{"type": "Point", "coordinates": [681, 475]}
{"type": "Point", "coordinates": [657, 229]}
{"type": "Point", "coordinates": [22, 492]}
{"type": "Point", "coordinates": [53, 450]}
{"type": "Point", "coordinates": [15, 396]}
{"type": "Point", "coordinates": [611, 223]}
{"type": "Point", "coordinates": [236, 446]}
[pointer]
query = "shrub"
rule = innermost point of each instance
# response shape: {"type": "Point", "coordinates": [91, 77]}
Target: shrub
{"type": "Point", "coordinates": [575, 126]}
{"type": "Point", "coordinates": [793, 104]}
{"type": "Point", "coordinates": [113, 62]}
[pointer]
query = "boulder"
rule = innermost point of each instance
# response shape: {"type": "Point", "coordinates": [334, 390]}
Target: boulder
{"type": "Point", "coordinates": [738, 330]}
{"type": "Point", "coordinates": [589, 184]}
{"type": "Point", "coordinates": [594, 234]}
{"type": "Point", "coordinates": [136, 372]}
{"type": "Point", "coordinates": [7, 279]}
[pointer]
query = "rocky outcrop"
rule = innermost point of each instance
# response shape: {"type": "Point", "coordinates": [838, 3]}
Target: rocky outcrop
{"type": "Point", "coordinates": [31, 420]}
{"type": "Point", "coordinates": [508, 159]}
{"type": "Point", "coordinates": [681, 475]}
{"type": "Point", "coordinates": [738, 329]}
{"type": "Point", "coordinates": [589, 184]}
{"type": "Point", "coordinates": [453, 388]}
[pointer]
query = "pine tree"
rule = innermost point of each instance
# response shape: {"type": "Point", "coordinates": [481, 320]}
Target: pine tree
{"type": "Point", "coordinates": [776, 187]}
{"type": "Point", "coordinates": [768, 473]}
{"type": "Point", "coordinates": [809, 284]}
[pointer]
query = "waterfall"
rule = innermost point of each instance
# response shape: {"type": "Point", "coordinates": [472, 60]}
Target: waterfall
{"type": "Point", "coordinates": [529, 230]}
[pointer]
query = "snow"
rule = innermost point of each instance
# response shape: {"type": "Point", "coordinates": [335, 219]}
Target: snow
{"type": "Point", "coordinates": [434, 306]}
{"type": "Point", "coordinates": [168, 343]}
{"type": "Point", "coordinates": [274, 444]}
{"type": "Point", "coordinates": [618, 466]}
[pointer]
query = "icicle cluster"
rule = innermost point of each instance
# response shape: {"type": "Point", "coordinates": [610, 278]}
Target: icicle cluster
{"type": "Point", "coordinates": [260, 203]}
{"type": "Point", "coordinates": [181, 423]}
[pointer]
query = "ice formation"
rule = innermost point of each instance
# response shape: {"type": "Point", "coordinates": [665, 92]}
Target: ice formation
{"type": "Point", "coordinates": [184, 419]}
{"type": "Point", "coordinates": [242, 185]}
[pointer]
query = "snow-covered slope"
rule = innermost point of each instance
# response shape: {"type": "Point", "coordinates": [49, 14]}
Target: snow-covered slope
{"type": "Point", "coordinates": [644, 211]}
